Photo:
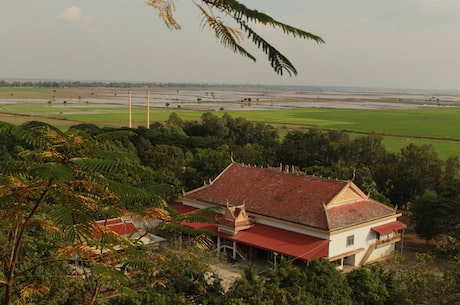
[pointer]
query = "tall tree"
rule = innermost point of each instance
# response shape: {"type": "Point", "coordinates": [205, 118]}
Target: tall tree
{"type": "Point", "coordinates": [230, 20]}
{"type": "Point", "coordinates": [367, 287]}
{"type": "Point", "coordinates": [58, 185]}
{"type": "Point", "coordinates": [326, 283]}
{"type": "Point", "coordinates": [418, 168]}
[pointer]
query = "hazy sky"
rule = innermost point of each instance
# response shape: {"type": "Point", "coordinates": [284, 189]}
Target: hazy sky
{"type": "Point", "coordinates": [369, 43]}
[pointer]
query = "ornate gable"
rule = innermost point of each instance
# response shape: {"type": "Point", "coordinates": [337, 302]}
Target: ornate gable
{"type": "Point", "coordinates": [350, 193]}
{"type": "Point", "coordinates": [235, 219]}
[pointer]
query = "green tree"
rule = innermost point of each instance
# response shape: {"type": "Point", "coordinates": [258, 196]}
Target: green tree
{"type": "Point", "coordinates": [250, 154]}
{"type": "Point", "coordinates": [208, 163]}
{"type": "Point", "coordinates": [216, 13]}
{"type": "Point", "coordinates": [425, 284]}
{"type": "Point", "coordinates": [213, 125]}
{"type": "Point", "coordinates": [419, 168]}
{"type": "Point", "coordinates": [366, 287]}
{"type": "Point", "coordinates": [174, 119]}
{"type": "Point", "coordinates": [437, 214]}
{"type": "Point", "coordinates": [279, 286]}
{"type": "Point", "coordinates": [367, 150]}
{"type": "Point", "coordinates": [56, 187]}
{"type": "Point", "coordinates": [326, 283]}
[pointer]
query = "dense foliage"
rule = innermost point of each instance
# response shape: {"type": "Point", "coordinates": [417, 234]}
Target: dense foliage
{"type": "Point", "coordinates": [55, 184]}
{"type": "Point", "coordinates": [192, 281]}
{"type": "Point", "coordinates": [186, 154]}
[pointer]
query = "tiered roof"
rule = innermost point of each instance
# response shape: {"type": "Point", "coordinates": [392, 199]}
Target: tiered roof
{"type": "Point", "coordinates": [311, 201]}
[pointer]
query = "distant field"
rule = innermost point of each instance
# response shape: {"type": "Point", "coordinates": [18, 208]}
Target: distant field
{"type": "Point", "coordinates": [437, 126]}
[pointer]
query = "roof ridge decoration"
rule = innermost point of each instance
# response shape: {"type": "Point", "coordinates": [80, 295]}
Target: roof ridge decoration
{"type": "Point", "coordinates": [326, 215]}
{"type": "Point", "coordinates": [221, 173]}
{"type": "Point", "coordinates": [348, 194]}
{"type": "Point", "coordinates": [234, 219]}
{"type": "Point", "coordinates": [291, 169]}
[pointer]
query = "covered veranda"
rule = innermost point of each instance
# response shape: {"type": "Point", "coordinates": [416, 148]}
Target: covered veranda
{"type": "Point", "coordinates": [263, 238]}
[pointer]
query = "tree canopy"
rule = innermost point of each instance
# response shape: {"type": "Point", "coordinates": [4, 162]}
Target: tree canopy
{"type": "Point", "coordinates": [55, 184]}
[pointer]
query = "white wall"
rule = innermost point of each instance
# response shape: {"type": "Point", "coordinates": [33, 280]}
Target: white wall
{"type": "Point", "coordinates": [363, 238]}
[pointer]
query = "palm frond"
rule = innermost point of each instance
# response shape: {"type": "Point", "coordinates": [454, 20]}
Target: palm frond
{"type": "Point", "coordinates": [241, 13]}
{"type": "Point", "coordinates": [203, 241]}
{"type": "Point", "coordinates": [14, 167]}
{"type": "Point", "coordinates": [125, 156]}
{"type": "Point", "coordinates": [204, 215]}
{"type": "Point", "coordinates": [46, 225]}
{"type": "Point", "coordinates": [138, 264]}
{"type": "Point", "coordinates": [180, 229]}
{"type": "Point", "coordinates": [165, 9]}
{"type": "Point", "coordinates": [231, 37]}
{"type": "Point", "coordinates": [228, 36]}
{"type": "Point", "coordinates": [56, 172]}
{"type": "Point", "coordinates": [100, 166]}
{"type": "Point", "coordinates": [277, 60]}
{"type": "Point", "coordinates": [40, 134]}
{"type": "Point", "coordinates": [196, 217]}
{"type": "Point", "coordinates": [33, 289]}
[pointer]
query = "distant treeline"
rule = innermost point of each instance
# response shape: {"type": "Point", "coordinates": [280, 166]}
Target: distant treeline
{"type": "Point", "coordinates": [94, 84]}
{"type": "Point", "coordinates": [79, 84]}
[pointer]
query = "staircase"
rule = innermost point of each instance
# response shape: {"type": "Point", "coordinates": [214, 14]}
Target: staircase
{"type": "Point", "coordinates": [368, 253]}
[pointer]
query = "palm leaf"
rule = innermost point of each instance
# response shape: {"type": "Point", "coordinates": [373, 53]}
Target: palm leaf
{"type": "Point", "coordinates": [200, 215]}
{"type": "Point", "coordinates": [138, 264]}
{"type": "Point", "coordinates": [55, 172]}
{"type": "Point", "coordinates": [40, 134]}
{"type": "Point", "coordinates": [277, 60]}
{"type": "Point", "coordinates": [125, 156]}
{"type": "Point", "coordinates": [177, 228]}
{"type": "Point", "coordinates": [33, 289]}
{"type": "Point", "coordinates": [15, 167]}
{"type": "Point", "coordinates": [241, 13]}
{"type": "Point", "coordinates": [228, 36]}
{"type": "Point", "coordinates": [98, 165]}
{"type": "Point", "coordinates": [165, 9]}
{"type": "Point", "coordinates": [231, 37]}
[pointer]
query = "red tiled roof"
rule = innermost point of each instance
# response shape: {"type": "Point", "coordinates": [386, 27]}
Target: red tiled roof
{"type": "Point", "coordinates": [269, 238]}
{"type": "Point", "coordinates": [387, 228]}
{"type": "Point", "coordinates": [116, 225]}
{"type": "Point", "coordinates": [345, 215]}
{"type": "Point", "coordinates": [292, 197]}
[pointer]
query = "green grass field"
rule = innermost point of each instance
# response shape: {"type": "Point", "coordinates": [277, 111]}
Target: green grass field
{"type": "Point", "coordinates": [437, 126]}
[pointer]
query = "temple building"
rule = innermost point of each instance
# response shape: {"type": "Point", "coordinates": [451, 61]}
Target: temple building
{"type": "Point", "coordinates": [268, 212]}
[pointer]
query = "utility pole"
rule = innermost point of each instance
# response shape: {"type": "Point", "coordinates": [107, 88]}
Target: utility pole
{"type": "Point", "coordinates": [148, 107]}
{"type": "Point", "coordinates": [129, 109]}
